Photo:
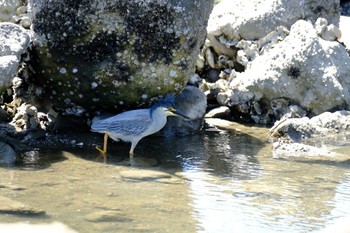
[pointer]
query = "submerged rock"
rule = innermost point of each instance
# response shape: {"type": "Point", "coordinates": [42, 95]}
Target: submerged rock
{"type": "Point", "coordinates": [107, 216]}
{"type": "Point", "coordinates": [143, 175]}
{"type": "Point", "coordinates": [10, 206]}
{"type": "Point", "coordinates": [115, 54]}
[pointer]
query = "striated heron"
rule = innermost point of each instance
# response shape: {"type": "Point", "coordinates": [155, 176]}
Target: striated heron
{"type": "Point", "coordinates": [132, 126]}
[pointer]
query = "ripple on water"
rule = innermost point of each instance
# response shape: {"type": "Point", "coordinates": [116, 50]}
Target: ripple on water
{"type": "Point", "coordinates": [209, 182]}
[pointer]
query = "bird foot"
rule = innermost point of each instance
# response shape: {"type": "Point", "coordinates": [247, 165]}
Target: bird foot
{"type": "Point", "coordinates": [103, 154]}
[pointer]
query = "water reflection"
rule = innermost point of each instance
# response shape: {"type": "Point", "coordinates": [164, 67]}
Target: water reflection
{"type": "Point", "coordinates": [219, 182]}
{"type": "Point", "coordinates": [34, 160]}
{"type": "Point", "coordinates": [221, 153]}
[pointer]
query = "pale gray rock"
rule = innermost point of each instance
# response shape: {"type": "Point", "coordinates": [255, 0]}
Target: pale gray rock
{"type": "Point", "coordinates": [14, 41]}
{"type": "Point", "coordinates": [220, 112]}
{"type": "Point", "coordinates": [8, 9]}
{"type": "Point", "coordinates": [108, 55]}
{"type": "Point", "coordinates": [327, 32]}
{"type": "Point", "coordinates": [327, 127]}
{"type": "Point", "coordinates": [282, 149]}
{"type": "Point", "coordinates": [8, 68]}
{"type": "Point", "coordinates": [232, 21]}
{"type": "Point", "coordinates": [311, 72]}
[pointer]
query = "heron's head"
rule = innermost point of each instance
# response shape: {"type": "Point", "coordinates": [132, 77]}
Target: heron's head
{"type": "Point", "coordinates": [167, 104]}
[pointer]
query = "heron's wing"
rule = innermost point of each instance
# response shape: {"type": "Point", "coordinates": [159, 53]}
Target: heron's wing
{"type": "Point", "coordinates": [127, 123]}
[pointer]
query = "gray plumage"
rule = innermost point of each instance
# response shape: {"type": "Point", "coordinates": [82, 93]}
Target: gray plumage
{"type": "Point", "coordinates": [132, 126]}
{"type": "Point", "coordinates": [118, 126]}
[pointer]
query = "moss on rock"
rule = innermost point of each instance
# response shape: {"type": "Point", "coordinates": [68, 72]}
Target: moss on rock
{"type": "Point", "coordinates": [115, 54]}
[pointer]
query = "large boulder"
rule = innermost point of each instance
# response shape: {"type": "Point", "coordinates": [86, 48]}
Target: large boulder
{"type": "Point", "coordinates": [115, 54]}
{"type": "Point", "coordinates": [303, 68]}
{"type": "Point", "coordinates": [232, 21]}
{"type": "Point", "coordinates": [14, 41]}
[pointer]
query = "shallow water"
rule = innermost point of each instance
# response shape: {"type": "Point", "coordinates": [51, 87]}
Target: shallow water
{"type": "Point", "coordinates": [222, 181]}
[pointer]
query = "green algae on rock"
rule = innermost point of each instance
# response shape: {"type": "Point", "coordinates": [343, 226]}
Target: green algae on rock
{"type": "Point", "coordinates": [115, 54]}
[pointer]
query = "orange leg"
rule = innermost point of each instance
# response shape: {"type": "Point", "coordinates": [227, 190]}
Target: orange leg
{"type": "Point", "coordinates": [104, 151]}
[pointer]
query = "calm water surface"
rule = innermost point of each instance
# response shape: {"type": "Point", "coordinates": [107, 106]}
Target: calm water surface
{"type": "Point", "coordinates": [211, 182]}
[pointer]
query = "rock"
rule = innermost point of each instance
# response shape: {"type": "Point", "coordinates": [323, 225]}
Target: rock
{"type": "Point", "coordinates": [26, 117]}
{"type": "Point", "coordinates": [192, 102]}
{"type": "Point", "coordinates": [325, 31]}
{"type": "Point", "coordinates": [345, 7]}
{"type": "Point", "coordinates": [9, 206]}
{"type": "Point", "coordinates": [25, 22]}
{"type": "Point", "coordinates": [8, 9]}
{"type": "Point", "coordinates": [33, 134]}
{"type": "Point", "coordinates": [139, 162]}
{"type": "Point", "coordinates": [345, 30]}
{"type": "Point", "coordinates": [14, 40]}
{"type": "Point", "coordinates": [3, 115]}
{"type": "Point", "coordinates": [283, 149]}
{"type": "Point", "coordinates": [115, 54]}
{"type": "Point", "coordinates": [66, 123]}
{"type": "Point", "coordinates": [326, 127]}
{"type": "Point", "coordinates": [309, 71]}
{"type": "Point", "coordinates": [55, 227]}
{"type": "Point", "coordinates": [232, 21]}
{"type": "Point", "coordinates": [8, 69]}
{"type": "Point", "coordinates": [144, 175]}
{"type": "Point", "coordinates": [107, 216]}
{"type": "Point", "coordinates": [220, 112]}
{"type": "Point", "coordinates": [7, 154]}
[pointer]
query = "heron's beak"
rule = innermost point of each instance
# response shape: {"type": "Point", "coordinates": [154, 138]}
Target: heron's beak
{"type": "Point", "coordinates": [177, 113]}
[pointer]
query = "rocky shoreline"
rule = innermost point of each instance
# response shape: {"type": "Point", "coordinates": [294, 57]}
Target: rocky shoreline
{"type": "Point", "coordinates": [281, 65]}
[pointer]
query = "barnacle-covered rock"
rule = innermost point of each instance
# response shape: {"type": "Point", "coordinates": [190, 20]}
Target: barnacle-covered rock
{"type": "Point", "coordinates": [309, 71]}
{"type": "Point", "coordinates": [14, 41]}
{"type": "Point", "coordinates": [325, 127]}
{"type": "Point", "coordinates": [232, 21]}
{"type": "Point", "coordinates": [327, 32]}
{"type": "Point", "coordinates": [8, 9]}
{"type": "Point", "coordinates": [115, 54]}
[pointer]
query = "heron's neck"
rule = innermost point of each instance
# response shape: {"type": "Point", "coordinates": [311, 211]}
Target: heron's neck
{"type": "Point", "coordinates": [158, 118]}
